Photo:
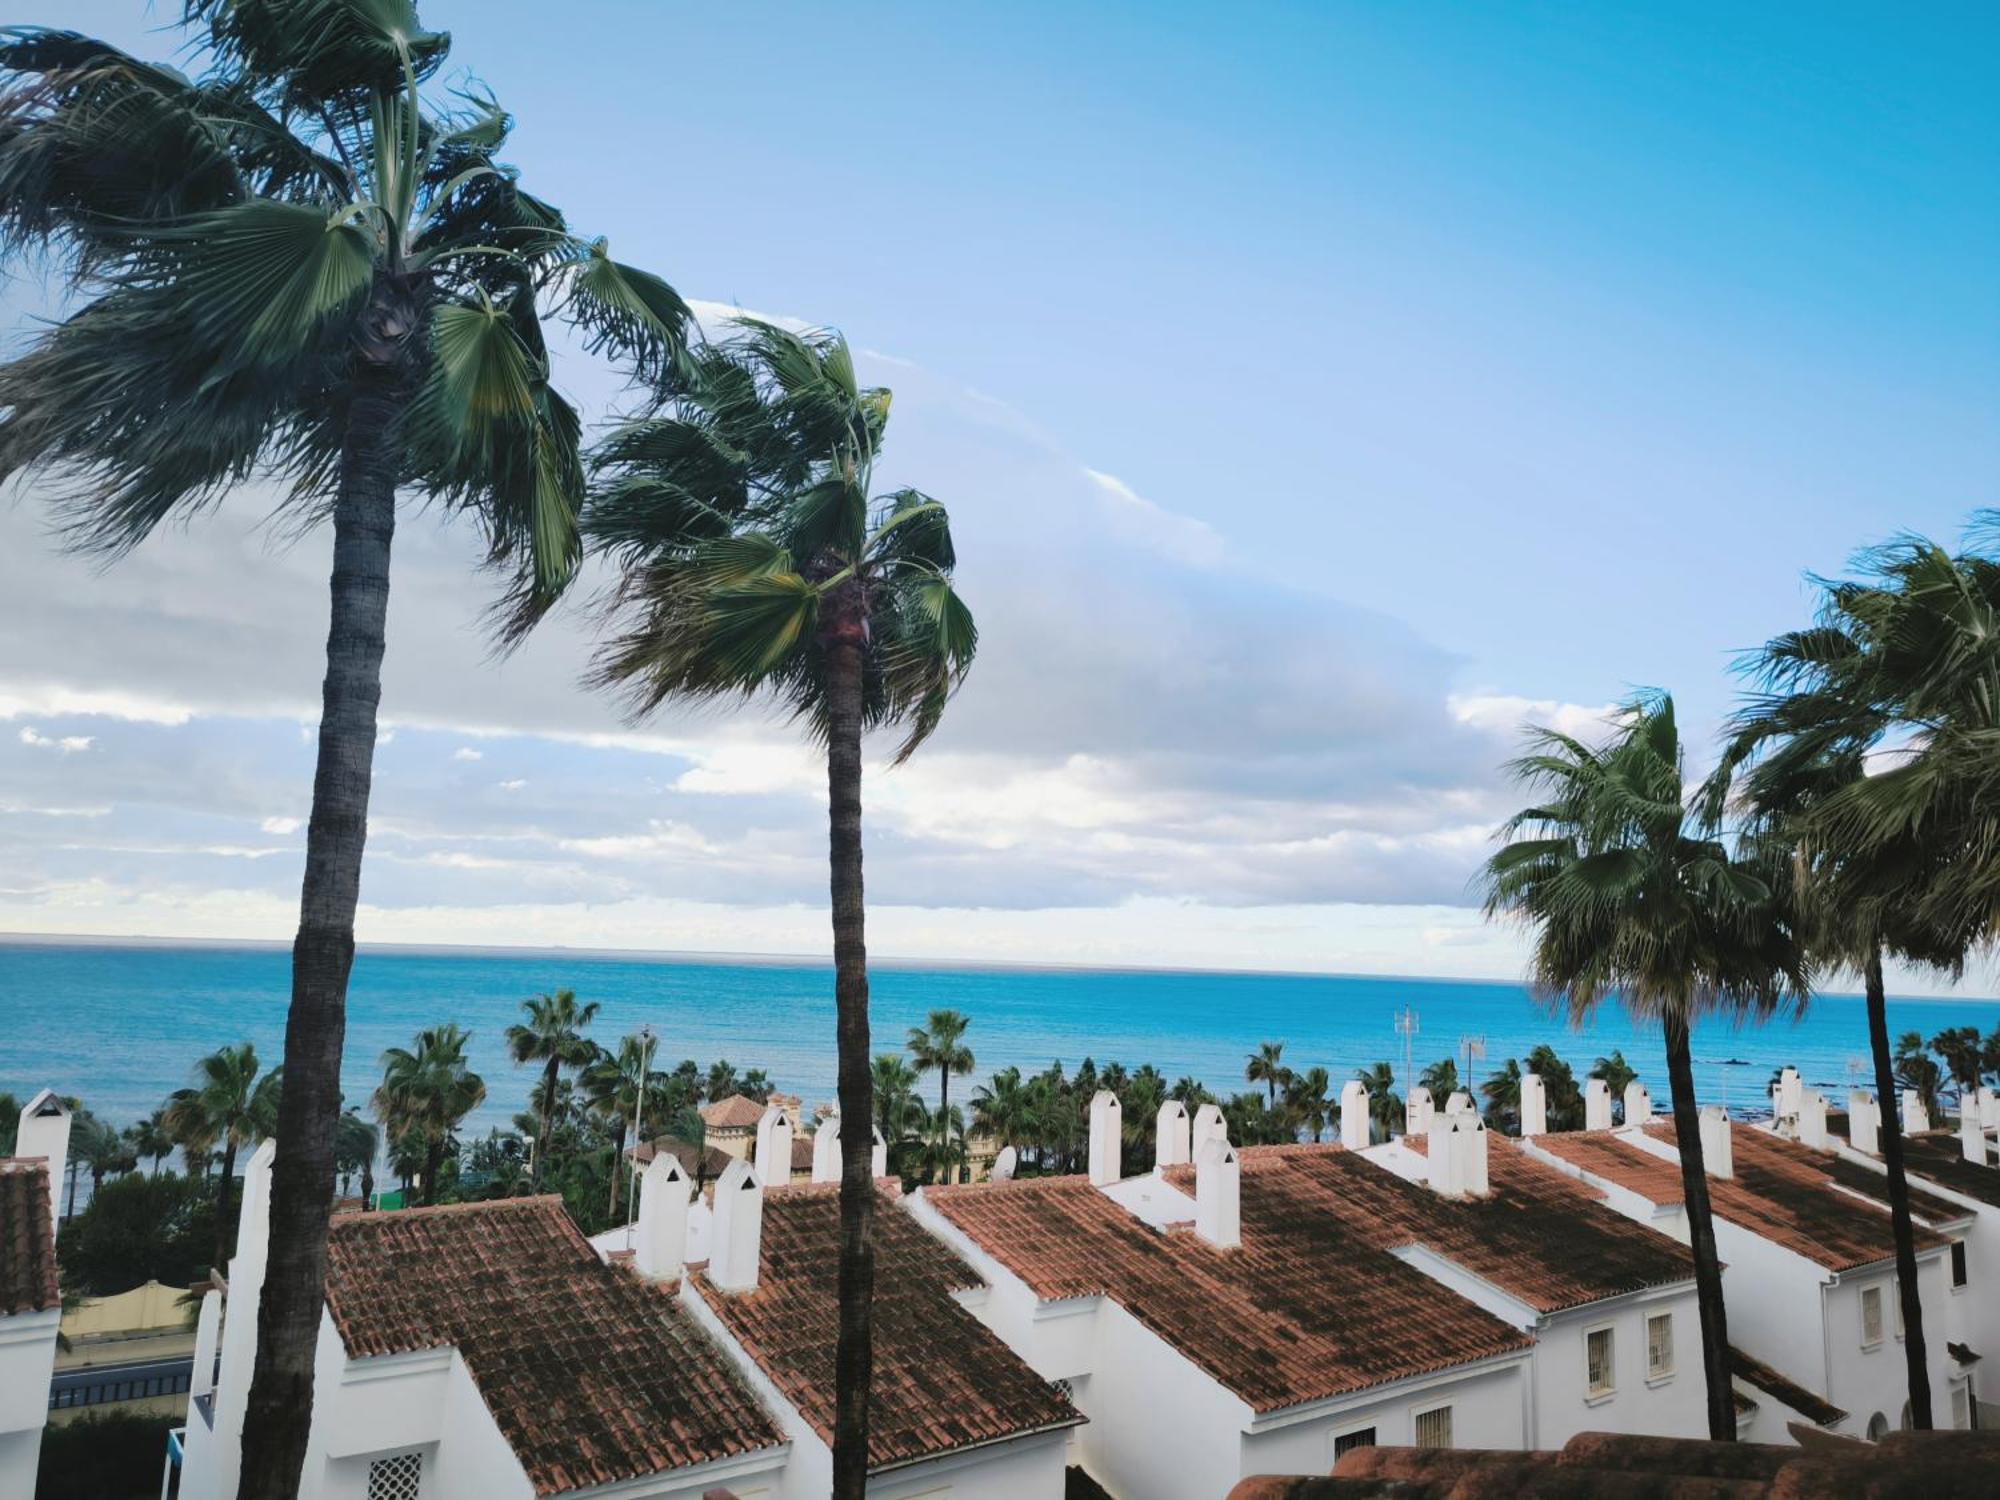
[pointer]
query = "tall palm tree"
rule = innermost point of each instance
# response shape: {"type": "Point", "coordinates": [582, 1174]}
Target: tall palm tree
{"type": "Point", "coordinates": [1003, 1109]}
{"type": "Point", "coordinates": [616, 1085]}
{"type": "Point", "coordinates": [1959, 1048]}
{"type": "Point", "coordinates": [150, 1139]}
{"type": "Point", "coordinates": [299, 266]}
{"type": "Point", "coordinates": [1918, 1072]}
{"type": "Point", "coordinates": [899, 1114]}
{"type": "Point", "coordinates": [758, 562]}
{"type": "Point", "coordinates": [1502, 1092]}
{"type": "Point", "coordinates": [721, 1080]}
{"type": "Point", "coordinates": [939, 1046]}
{"type": "Point", "coordinates": [1306, 1101]}
{"type": "Point", "coordinates": [552, 1036]}
{"type": "Point", "coordinates": [1615, 1074]}
{"type": "Point", "coordinates": [229, 1106]}
{"type": "Point", "coordinates": [1631, 891]}
{"type": "Point", "coordinates": [1441, 1079]}
{"type": "Point", "coordinates": [1266, 1066]}
{"type": "Point", "coordinates": [1385, 1107]}
{"type": "Point", "coordinates": [425, 1094]}
{"type": "Point", "coordinates": [356, 1145]}
{"type": "Point", "coordinates": [1559, 1088]}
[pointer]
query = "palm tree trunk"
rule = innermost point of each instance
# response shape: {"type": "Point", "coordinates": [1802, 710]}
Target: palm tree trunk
{"type": "Point", "coordinates": [853, 1364]}
{"type": "Point", "coordinates": [224, 1225]}
{"type": "Point", "coordinates": [1701, 1235]}
{"type": "Point", "coordinates": [433, 1164]}
{"type": "Point", "coordinates": [364, 521]}
{"type": "Point", "coordinates": [1891, 1133]}
{"type": "Point", "coordinates": [617, 1160]}
{"type": "Point", "coordinates": [367, 1187]}
{"type": "Point", "coordinates": [548, 1112]}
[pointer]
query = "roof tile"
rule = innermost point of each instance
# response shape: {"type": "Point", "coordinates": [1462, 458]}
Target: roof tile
{"type": "Point", "coordinates": [27, 1238]}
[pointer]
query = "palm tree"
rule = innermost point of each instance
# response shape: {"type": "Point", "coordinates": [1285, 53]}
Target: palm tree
{"type": "Point", "coordinates": [1616, 1074]}
{"type": "Point", "coordinates": [1307, 1103]}
{"type": "Point", "coordinates": [229, 1106]}
{"type": "Point", "coordinates": [356, 1145]}
{"type": "Point", "coordinates": [721, 1081]}
{"type": "Point", "coordinates": [150, 1139]}
{"type": "Point", "coordinates": [615, 1085]}
{"type": "Point", "coordinates": [296, 266]}
{"type": "Point", "coordinates": [552, 1036]}
{"type": "Point", "coordinates": [939, 1046]}
{"type": "Point", "coordinates": [1191, 1092]}
{"type": "Point", "coordinates": [1559, 1089]}
{"type": "Point", "coordinates": [1139, 1099]}
{"type": "Point", "coordinates": [756, 1086]}
{"type": "Point", "coordinates": [1959, 1048]}
{"type": "Point", "coordinates": [426, 1093]}
{"type": "Point", "coordinates": [1002, 1108]}
{"type": "Point", "coordinates": [1266, 1066]}
{"type": "Point", "coordinates": [1385, 1107]}
{"type": "Point", "coordinates": [1630, 892]}
{"type": "Point", "coordinates": [899, 1114]}
{"type": "Point", "coordinates": [757, 562]}
{"type": "Point", "coordinates": [1918, 1072]}
{"type": "Point", "coordinates": [1440, 1079]}
{"type": "Point", "coordinates": [1502, 1092]}
{"type": "Point", "coordinates": [100, 1148]}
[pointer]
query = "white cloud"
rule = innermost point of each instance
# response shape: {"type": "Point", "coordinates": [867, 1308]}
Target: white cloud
{"type": "Point", "coordinates": [1185, 539]}
{"type": "Point", "coordinates": [1506, 714]}
{"type": "Point", "coordinates": [50, 701]}
{"type": "Point", "coordinates": [67, 744]}
{"type": "Point", "coordinates": [281, 825]}
{"type": "Point", "coordinates": [512, 786]}
{"type": "Point", "coordinates": [466, 752]}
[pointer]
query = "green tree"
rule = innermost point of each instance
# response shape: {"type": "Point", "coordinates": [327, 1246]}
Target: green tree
{"type": "Point", "coordinates": [229, 1107]}
{"type": "Point", "coordinates": [356, 1146]}
{"type": "Point", "coordinates": [939, 1046]}
{"type": "Point", "coordinates": [150, 1139]}
{"type": "Point", "coordinates": [899, 1114]}
{"type": "Point", "coordinates": [617, 1085]}
{"type": "Point", "coordinates": [425, 1094]}
{"type": "Point", "coordinates": [1917, 1071]}
{"type": "Point", "coordinates": [142, 1229]}
{"type": "Point", "coordinates": [1559, 1088]}
{"type": "Point", "coordinates": [1441, 1079]}
{"type": "Point", "coordinates": [757, 561]}
{"type": "Point", "coordinates": [10, 1121]}
{"type": "Point", "coordinates": [1266, 1066]}
{"type": "Point", "coordinates": [721, 1080]}
{"type": "Point", "coordinates": [1306, 1102]}
{"type": "Point", "coordinates": [1629, 890]}
{"type": "Point", "coordinates": [1615, 1073]}
{"type": "Point", "coordinates": [553, 1036]}
{"type": "Point", "coordinates": [1385, 1106]}
{"type": "Point", "coordinates": [1502, 1093]}
{"type": "Point", "coordinates": [1959, 1048]}
{"type": "Point", "coordinates": [298, 266]}
{"type": "Point", "coordinates": [1002, 1109]}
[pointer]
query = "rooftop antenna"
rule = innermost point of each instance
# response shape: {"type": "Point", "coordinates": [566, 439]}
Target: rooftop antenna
{"type": "Point", "coordinates": [1472, 1047]}
{"type": "Point", "coordinates": [1406, 1028]}
{"type": "Point", "coordinates": [646, 1038]}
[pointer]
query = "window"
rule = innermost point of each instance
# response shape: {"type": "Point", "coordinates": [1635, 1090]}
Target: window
{"type": "Point", "coordinates": [1434, 1428]}
{"type": "Point", "coordinates": [1878, 1428]}
{"type": "Point", "coordinates": [1959, 1274]}
{"type": "Point", "coordinates": [398, 1477]}
{"type": "Point", "coordinates": [1361, 1437]}
{"type": "Point", "coordinates": [1659, 1346]}
{"type": "Point", "coordinates": [1961, 1405]}
{"type": "Point", "coordinates": [1871, 1315]}
{"type": "Point", "coordinates": [1598, 1378]}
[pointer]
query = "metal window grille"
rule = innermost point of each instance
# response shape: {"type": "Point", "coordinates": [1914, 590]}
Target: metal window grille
{"type": "Point", "coordinates": [1434, 1428]}
{"type": "Point", "coordinates": [398, 1477]}
{"type": "Point", "coordinates": [1363, 1438]}
{"type": "Point", "coordinates": [1959, 1275]}
{"type": "Point", "coordinates": [1597, 1358]}
{"type": "Point", "coordinates": [1871, 1315]}
{"type": "Point", "coordinates": [1067, 1390]}
{"type": "Point", "coordinates": [1660, 1344]}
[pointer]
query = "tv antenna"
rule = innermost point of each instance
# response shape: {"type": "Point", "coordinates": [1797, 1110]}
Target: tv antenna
{"type": "Point", "coordinates": [1406, 1028]}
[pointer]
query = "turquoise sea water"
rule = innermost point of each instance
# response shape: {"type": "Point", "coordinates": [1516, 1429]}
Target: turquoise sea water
{"type": "Point", "coordinates": [121, 1025]}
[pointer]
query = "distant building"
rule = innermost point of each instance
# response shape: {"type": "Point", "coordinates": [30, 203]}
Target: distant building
{"type": "Point", "coordinates": [730, 1125]}
{"type": "Point", "coordinates": [30, 1303]}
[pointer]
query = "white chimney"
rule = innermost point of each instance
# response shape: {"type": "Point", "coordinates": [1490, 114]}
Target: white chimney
{"type": "Point", "coordinates": [1596, 1104]}
{"type": "Point", "coordinates": [1790, 1093]}
{"type": "Point", "coordinates": [1717, 1153]}
{"type": "Point", "coordinates": [1354, 1115]}
{"type": "Point", "coordinates": [1534, 1105]}
{"type": "Point", "coordinates": [878, 1153]}
{"type": "Point", "coordinates": [1812, 1120]}
{"type": "Point", "coordinates": [1916, 1119]}
{"type": "Point", "coordinates": [826, 1150]}
{"type": "Point", "coordinates": [774, 1145]}
{"type": "Point", "coordinates": [44, 1132]}
{"type": "Point", "coordinates": [207, 1334]}
{"type": "Point", "coordinates": [1638, 1104]}
{"type": "Point", "coordinates": [1107, 1135]}
{"type": "Point", "coordinates": [1971, 1139]}
{"type": "Point", "coordinates": [1469, 1139]}
{"type": "Point", "coordinates": [661, 1246]}
{"type": "Point", "coordinates": [738, 1228]}
{"type": "Point", "coordinates": [1864, 1124]}
{"type": "Point", "coordinates": [1208, 1126]}
{"type": "Point", "coordinates": [1005, 1160]}
{"type": "Point", "coordinates": [253, 1221]}
{"type": "Point", "coordinates": [1218, 1201]}
{"type": "Point", "coordinates": [1459, 1103]}
{"type": "Point", "coordinates": [1173, 1139]}
{"type": "Point", "coordinates": [1417, 1112]}
{"type": "Point", "coordinates": [1988, 1103]}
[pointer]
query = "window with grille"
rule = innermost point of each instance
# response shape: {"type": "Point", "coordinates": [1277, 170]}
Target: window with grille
{"type": "Point", "coordinates": [1659, 1345]}
{"type": "Point", "coordinates": [1871, 1315]}
{"type": "Point", "coordinates": [397, 1477]}
{"type": "Point", "coordinates": [1434, 1428]}
{"type": "Point", "coordinates": [1361, 1437]}
{"type": "Point", "coordinates": [1961, 1405]}
{"type": "Point", "coordinates": [1959, 1274]}
{"type": "Point", "coordinates": [1598, 1379]}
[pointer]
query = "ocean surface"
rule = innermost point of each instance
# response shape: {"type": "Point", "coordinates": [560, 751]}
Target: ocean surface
{"type": "Point", "coordinates": [121, 1025]}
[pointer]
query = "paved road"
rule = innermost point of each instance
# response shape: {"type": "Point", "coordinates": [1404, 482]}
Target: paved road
{"type": "Point", "coordinates": [95, 1385]}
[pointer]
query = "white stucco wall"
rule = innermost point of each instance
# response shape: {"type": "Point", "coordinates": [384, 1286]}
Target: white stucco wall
{"type": "Point", "coordinates": [1488, 1411]}
{"type": "Point", "coordinates": [27, 1360]}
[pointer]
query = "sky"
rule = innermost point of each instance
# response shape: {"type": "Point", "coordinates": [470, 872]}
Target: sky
{"type": "Point", "coordinates": [1320, 392]}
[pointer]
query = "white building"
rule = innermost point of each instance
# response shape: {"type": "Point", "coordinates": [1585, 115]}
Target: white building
{"type": "Point", "coordinates": [1239, 1330]}
{"type": "Point", "coordinates": [30, 1304]}
{"type": "Point", "coordinates": [1808, 1265]}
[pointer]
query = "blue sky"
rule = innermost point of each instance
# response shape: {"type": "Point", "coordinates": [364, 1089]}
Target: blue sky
{"type": "Point", "coordinates": [1320, 387]}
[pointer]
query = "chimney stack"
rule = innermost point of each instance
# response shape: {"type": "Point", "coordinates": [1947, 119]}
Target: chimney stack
{"type": "Point", "coordinates": [1107, 1136]}
{"type": "Point", "coordinates": [1596, 1104]}
{"type": "Point", "coordinates": [1173, 1139]}
{"type": "Point", "coordinates": [1208, 1126]}
{"type": "Point", "coordinates": [1460, 1103]}
{"type": "Point", "coordinates": [1863, 1122]}
{"type": "Point", "coordinates": [1916, 1119]}
{"type": "Point", "coordinates": [207, 1338]}
{"type": "Point", "coordinates": [1638, 1104]}
{"type": "Point", "coordinates": [878, 1153]}
{"type": "Point", "coordinates": [1988, 1103]}
{"type": "Point", "coordinates": [1218, 1202]}
{"type": "Point", "coordinates": [738, 1229]}
{"type": "Point", "coordinates": [1534, 1106]}
{"type": "Point", "coordinates": [253, 1222]}
{"type": "Point", "coordinates": [1457, 1150]}
{"type": "Point", "coordinates": [1354, 1115]}
{"type": "Point", "coordinates": [44, 1132]}
{"type": "Point", "coordinates": [1417, 1111]}
{"type": "Point", "coordinates": [774, 1145]}
{"type": "Point", "coordinates": [1717, 1153]}
{"type": "Point", "coordinates": [1971, 1139]}
{"type": "Point", "coordinates": [1812, 1119]}
{"type": "Point", "coordinates": [826, 1150]}
{"type": "Point", "coordinates": [1789, 1094]}
{"type": "Point", "coordinates": [661, 1246]}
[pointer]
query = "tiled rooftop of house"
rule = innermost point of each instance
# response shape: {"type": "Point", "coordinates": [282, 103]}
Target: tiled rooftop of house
{"type": "Point", "coordinates": [27, 1239]}
{"type": "Point", "coordinates": [592, 1375]}
{"type": "Point", "coordinates": [1301, 1311]}
{"type": "Point", "coordinates": [1609, 1158]}
{"type": "Point", "coordinates": [734, 1113]}
{"type": "Point", "coordinates": [1859, 1177]}
{"type": "Point", "coordinates": [1755, 1372]}
{"type": "Point", "coordinates": [942, 1381]}
{"type": "Point", "coordinates": [1937, 1155]}
{"type": "Point", "coordinates": [704, 1163]}
{"type": "Point", "coordinates": [1540, 1236]}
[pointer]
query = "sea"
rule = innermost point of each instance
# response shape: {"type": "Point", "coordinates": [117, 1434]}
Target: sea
{"type": "Point", "coordinates": [120, 1024]}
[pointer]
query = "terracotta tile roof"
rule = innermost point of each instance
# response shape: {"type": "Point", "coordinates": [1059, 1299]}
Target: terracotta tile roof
{"type": "Point", "coordinates": [1540, 1235]}
{"type": "Point", "coordinates": [1605, 1155]}
{"type": "Point", "coordinates": [704, 1162]}
{"type": "Point", "coordinates": [1808, 1404]}
{"type": "Point", "coordinates": [1859, 1177]}
{"type": "Point", "coordinates": [734, 1113]}
{"type": "Point", "coordinates": [1301, 1311]}
{"type": "Point", "coordinates": [1937, 1155]}
{"type": "Point", "coordinates": [27, 1238]}
{"type": "Point", "coordinates": [802, 1153]}
{"type": "Point", "coordinates": [942, 1380]}
{"type": "Point", "coordinates": [592, 1375]}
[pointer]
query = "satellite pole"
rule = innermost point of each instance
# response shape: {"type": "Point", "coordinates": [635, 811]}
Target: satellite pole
{"type": "Point", "coordinates": [1406, 1027]}
{"type": "Point", "coordinates": [645, 1035]}
{"type": "Point", "coordinates": [1473, 1046]}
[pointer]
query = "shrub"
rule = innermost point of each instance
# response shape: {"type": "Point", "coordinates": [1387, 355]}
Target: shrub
{"type": "Point", "coordinates": [139, 1229]}
{"type": "Point", "coordinates": [110, 1456]}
